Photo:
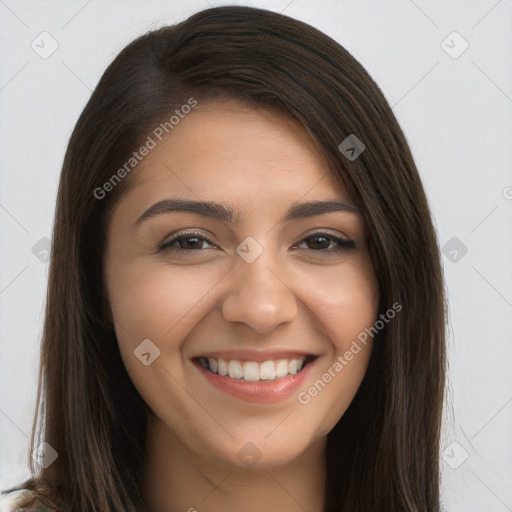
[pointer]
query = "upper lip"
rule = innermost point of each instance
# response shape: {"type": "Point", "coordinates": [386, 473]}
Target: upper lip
{"type": "Point", "coordinates": [255, 355]}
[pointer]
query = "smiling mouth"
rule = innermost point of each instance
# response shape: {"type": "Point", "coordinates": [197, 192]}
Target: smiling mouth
{"type": "Point", "coordinates": [254, 371]}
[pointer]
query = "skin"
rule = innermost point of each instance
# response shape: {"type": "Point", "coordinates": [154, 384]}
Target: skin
{"type": "Point", "coordinates": [293, 296]}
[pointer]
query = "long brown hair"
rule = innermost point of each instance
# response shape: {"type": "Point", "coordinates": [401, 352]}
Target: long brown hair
{"type": "Point", "coordinates": [383, 454]}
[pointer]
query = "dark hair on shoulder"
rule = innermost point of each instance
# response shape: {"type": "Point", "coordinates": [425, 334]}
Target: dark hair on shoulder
{"type": "Point", "coordinates": [383, 454]}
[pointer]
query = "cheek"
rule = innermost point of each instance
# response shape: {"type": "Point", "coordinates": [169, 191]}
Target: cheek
{"type": "Point", "coordinates": [344, 301]}
{"type": "Point", "coordinates": [150, 301]}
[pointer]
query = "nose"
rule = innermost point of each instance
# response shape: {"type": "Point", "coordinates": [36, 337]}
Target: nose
{"type": "Point", "coordinates": [258, 296]}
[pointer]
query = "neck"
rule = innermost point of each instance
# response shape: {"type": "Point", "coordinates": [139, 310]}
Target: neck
{"type": "Point", "coordinates": [176, 479]}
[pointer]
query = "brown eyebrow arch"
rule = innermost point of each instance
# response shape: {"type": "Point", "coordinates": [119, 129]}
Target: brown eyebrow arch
{"type": "Point", "coordinates": [224, 212]}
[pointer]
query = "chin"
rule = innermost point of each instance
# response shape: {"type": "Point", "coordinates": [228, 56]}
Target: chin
{"type": "Point", "coordinates": [260, 453]}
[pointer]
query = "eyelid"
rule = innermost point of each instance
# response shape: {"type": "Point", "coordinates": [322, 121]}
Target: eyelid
{"type": "Point", "coordinates": [343, 242]}
{"type": "Point", "coordinates": [325, 231]}
{"type": "Point", "coordinates": [183, 233]}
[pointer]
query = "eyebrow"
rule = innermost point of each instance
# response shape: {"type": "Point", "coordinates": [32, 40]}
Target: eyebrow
{"type": "Point", "coordinates": [225, 213]}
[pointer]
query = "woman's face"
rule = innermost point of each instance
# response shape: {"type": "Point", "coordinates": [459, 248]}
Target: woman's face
{"type": "Point", "coordinates": [232, 252]}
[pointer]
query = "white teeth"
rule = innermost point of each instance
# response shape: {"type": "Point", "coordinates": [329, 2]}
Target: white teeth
{"type": "Point", "coordinates": [282, 368]}
{"type": "Point", "coordinates": [295, 365]}
{"type": "Point", "coordinates": [267, 371]}
{"type": "Point", "coordinates": [235, 369]}
{"type": "Point", "coordinates": [222, 367]}
{"type": "Point", "coordinates": [253, 371]}
{"type": "Point", "coordinates": [213, 364]}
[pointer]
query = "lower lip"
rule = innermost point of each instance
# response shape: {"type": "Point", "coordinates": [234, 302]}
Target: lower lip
{"type": "Point", "coordinates": [258, 391]}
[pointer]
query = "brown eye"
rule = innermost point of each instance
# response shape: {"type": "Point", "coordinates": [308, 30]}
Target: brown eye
{"type": "Point", "coordinates": [186, 242]}
{"type": "Point", "coordinates": [327, 243]}
{"type": "Point", "coordinates": [190, 242]}
{"type": "Point", "coordinates": [318, 242]}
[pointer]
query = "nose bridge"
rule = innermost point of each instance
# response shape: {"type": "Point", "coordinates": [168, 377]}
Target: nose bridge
{"type": "Point", "coordinates": [258, 295]}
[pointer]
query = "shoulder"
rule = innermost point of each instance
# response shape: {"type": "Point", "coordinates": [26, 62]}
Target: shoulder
{"type": "Point", "coordinates": [12, 501]}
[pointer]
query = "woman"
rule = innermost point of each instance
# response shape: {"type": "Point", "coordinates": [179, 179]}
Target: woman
{"type": "Point", "coordinates": [245, 305]}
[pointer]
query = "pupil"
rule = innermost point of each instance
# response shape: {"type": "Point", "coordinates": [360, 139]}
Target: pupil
{"type": "Point", "coordinates": [319, 241]}
{"type": "Point", "coordinates": [191, 241]}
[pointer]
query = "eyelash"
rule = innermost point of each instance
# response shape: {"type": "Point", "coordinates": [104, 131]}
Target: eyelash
{"type": "Point", "coordinates": [342, 244]}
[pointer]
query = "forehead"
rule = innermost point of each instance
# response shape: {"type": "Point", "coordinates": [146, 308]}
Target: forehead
{"type": "Point", "coordinates": [227, 149]}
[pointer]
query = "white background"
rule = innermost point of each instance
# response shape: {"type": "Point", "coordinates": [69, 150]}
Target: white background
{"type": "Point", "coordinates": [457, 116]}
